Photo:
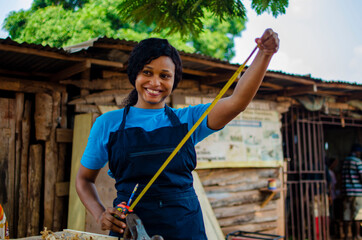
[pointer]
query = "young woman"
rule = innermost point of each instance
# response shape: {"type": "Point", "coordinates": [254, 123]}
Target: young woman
{"type": "Point", "coordinates": [137, 139]}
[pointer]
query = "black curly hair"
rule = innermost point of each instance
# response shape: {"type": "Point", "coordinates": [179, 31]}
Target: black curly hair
{"type": "Point", "coordinates": [143, 53]}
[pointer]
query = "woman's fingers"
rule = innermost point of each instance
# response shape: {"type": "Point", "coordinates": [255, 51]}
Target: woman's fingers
{"type": "Point", "coordinates": [111, 219]}
{"type": "Point", "coordinates": [269, 41]}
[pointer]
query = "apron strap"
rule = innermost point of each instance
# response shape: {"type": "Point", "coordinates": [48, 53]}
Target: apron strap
{"type": "Point", "coordinates": [125, 112]}
{"type": "Point", "coordinates": [175, 121]}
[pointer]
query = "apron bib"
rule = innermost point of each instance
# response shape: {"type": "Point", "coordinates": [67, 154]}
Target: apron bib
{"type": "Point", "coordinates": [170, 207]}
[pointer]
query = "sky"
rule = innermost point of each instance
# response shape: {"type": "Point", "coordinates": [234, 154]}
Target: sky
{"type": "Point", "coordinates": [322, 38]}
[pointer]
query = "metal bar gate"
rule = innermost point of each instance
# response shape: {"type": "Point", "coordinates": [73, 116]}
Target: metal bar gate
{"type": "Point", "coordinates": [306, 203]}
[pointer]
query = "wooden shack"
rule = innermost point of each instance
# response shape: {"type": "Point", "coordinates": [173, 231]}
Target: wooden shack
{"type": "Point", "coordinates": [43, 89]}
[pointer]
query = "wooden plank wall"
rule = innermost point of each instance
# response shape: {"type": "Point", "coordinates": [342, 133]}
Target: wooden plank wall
{"type": "Point", "coordinates": [236, 198]}
{"type": "Point", "coordinates": [29, 122]}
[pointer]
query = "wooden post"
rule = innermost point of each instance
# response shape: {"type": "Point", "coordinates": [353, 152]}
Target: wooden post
{"type": "Point", "coordinates": [7, 161]}
{"type": "Point", "coordinates": [51, 165]}
{"type": "Point", "coordinates": [59, 202]}
{"type": "Point", "coordinates": [23, 188]}
{"type": "Point", "coordinates": [43, 116]}
{"type": "Point", "coordinates": [34, 187]}
{"type": "Point", "coordinates": [19, 110]}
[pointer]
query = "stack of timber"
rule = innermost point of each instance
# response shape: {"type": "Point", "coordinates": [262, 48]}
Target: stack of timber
{"type": "Point", "coordinates": [236, 199]}
{"type": "Point", "coordinates": [100, 93]}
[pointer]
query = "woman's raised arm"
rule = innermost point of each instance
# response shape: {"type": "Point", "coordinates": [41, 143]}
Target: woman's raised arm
{"type": "Point", "coordinates": [229, 107]}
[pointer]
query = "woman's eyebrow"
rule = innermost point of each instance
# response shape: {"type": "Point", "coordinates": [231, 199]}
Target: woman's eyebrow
{"type": "Point", "coordinates": [163, 70]}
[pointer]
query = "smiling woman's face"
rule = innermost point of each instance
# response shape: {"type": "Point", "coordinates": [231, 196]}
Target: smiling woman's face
{"type": "Point", "coordinates": [154, 83]}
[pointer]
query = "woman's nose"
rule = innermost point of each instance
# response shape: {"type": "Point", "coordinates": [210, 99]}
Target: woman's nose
{"type": "Point", "coordinates": [155, 81]}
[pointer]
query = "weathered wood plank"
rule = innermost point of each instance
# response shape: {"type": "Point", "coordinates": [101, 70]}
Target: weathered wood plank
{"type": "Point", "coordinates": [213, 230]}
{"type": "Point", "coordinates": [62, 189]}
{"type": "Point", "coordinates": [51, 165]}
{"type": "Point", "coordinates": [120, 82]}
{"type": "Point", "coordinates": [248, 218]}
{"type": "Point", "coordinates": [72, 70]}
{"type": "Point", "coordinates": [19, 111]}
{"type": "Point", "coordinates": [34, 188]}
{"type": "Point", "coordinates": [231, 211]}
{"type": "Point", "coordinates": [236, 198]}
{"type": "Point", "coordinates": [23, 187]}
{"type": "Point", "coordinates": [223, 177]}
{"type": "Point", "coordinates": [76, 210]}
{"type": "Point", "coordinates": [64, 110]}
{"type": "Point", "coordinates": [103, 109]}
{"type": "Point", "coordinates": [86, 108]}
{"type": "Point", "coordinates": [28, 86]}
{"type": "Point", "coordinates": [259, 227]}
{"type": "Point", "coordinates": [61, 192]}
{"type": "Point", "coordinates": [89, 98]}
{"type": "Point", "coordinates": [43, 116]}
{"type": "Point", "coordinates": [109, 74]}
{"type": "Point", "coordinates": [64, 135]}
{"type": "Point", "coordinates": [232, 199]}
{"type": "Point", "coordinates": [7, 161]}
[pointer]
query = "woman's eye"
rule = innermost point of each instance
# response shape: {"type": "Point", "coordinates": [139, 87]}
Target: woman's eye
{"type": "Point", "coordinates": [146, 72]}
{"type": "Point", "coordinates": [165, 76]}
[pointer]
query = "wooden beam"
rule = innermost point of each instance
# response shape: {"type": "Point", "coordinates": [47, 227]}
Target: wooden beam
{"type": "Point", "coordinates": [300, 90]}
{"type": "Point", "coordinates": [290, 78]}
{"type": "Point", "coordinates": [29, 86]}
{"type": "Point", "coordinates": [55, 55]}
{"type": "Point", "coordinates": [106, 63]}
{"type": "Point", "coordinates": [271, 85]}
{"type": "Point", "coordinates": [340, 86]}
{"type": "Point", "coordinates": [198, 73]}
{"type": "Point", "coordinates": [335, 93]}
{"type": "Point", "coordinates": [24, 74]}
{"type": "Point", "coordinates": [68, 72]}
{"type": "Point", "coordinates": [209, 63]}
{"type": "Point", "coordinates": [221, 78]}
{"type": "Point", "coordinates": [343, 106]}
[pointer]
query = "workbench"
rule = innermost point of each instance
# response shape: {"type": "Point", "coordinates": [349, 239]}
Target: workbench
{"type": "Point", "coordinates": [71, 235]}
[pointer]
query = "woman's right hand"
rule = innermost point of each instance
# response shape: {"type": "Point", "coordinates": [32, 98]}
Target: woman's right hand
{"type": "Point", "coordinates": [109, 221]}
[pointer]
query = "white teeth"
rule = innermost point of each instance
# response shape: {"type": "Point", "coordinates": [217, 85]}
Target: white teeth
{"type": "Point", "coordinates": [153, 91]}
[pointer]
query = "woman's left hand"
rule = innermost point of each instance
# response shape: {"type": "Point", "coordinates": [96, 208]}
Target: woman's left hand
{"type": "Point", "coordinates": [269, 42]}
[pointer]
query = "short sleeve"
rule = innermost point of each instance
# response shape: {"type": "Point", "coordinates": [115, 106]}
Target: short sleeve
{"type": "Point", "coordinates": [191, 115]}
{"type": "Point", "coordinates": [95, 155]}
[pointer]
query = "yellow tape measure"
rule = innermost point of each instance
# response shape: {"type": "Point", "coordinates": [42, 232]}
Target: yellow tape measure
{"type": "Point", "coordinates": [187, 136]}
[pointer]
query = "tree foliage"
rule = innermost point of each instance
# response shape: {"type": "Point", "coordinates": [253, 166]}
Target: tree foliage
{"type": "Point", "coordinates": [60, 23]}
{"type": "Point", "coordinates": [66, 4]}
{"type": "Point", "coordinates": [185, 16]}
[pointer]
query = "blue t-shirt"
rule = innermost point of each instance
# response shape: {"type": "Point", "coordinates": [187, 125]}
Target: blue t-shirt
{"type": "Point", "coordinates": [95, 155]}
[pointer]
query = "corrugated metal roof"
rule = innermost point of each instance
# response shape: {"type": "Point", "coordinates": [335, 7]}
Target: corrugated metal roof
{"type": "Point", "coordinates": [47, 48]}
{"type": "Point", "coordinates": [33, 61]}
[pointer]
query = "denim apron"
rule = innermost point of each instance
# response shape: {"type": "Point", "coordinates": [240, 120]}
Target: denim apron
{"type": "Point", "coordinates": [170, 207]}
